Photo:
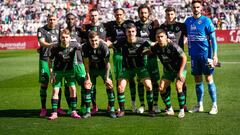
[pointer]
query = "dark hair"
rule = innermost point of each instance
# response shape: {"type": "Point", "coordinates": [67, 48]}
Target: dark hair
{"type": "Point", "coordinates": [169, 9]}
{"type": "Point", "coordinates": [131, 25]}
{"type": "Point", "coordinates": [92, 34]}
{"type": "Point", "coordinates": [53, 14]}
{"type": "Point", "coordinates": [144, 6]}
{"type": "Point", "coordinates": [196, 1]}
{"type": "Point", "coordinates": [161, 31]}
{"type": "Point", "coordinates": [94, 9]}
{"type": "Point", "coordinates": [71, 13]}
{"type": "Point", "coordinates": [116, 9]}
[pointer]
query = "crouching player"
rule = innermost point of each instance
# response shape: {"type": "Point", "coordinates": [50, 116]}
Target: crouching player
{"type": "Point", "coordinates": [133, 64]}
{"type": "Point", "coordinates": [96, 61]}
{"type": "Point", "coordinates": [174, 67]}
{"type": "Point", "coordinates": [62, 57]}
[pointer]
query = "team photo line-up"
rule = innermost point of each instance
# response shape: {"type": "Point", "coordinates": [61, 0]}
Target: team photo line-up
{"type": "Point", "coordinates": [80, 54]}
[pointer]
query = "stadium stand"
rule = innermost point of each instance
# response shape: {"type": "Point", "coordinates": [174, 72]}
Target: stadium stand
{"type": "Point", "coordinates": [23, 17]}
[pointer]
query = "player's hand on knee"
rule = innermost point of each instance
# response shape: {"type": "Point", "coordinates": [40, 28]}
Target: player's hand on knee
{"type": "Point", "coordinates": [109, 83]}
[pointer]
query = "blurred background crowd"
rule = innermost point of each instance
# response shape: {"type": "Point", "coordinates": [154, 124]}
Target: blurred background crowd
{"type": "Point", "coordinates": [25, 16]}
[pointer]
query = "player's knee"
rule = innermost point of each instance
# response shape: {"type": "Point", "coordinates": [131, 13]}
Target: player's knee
{"type": "Point", "coordinates": [161, 89]}
{"type": "Point", "coordinates": [209, 78]}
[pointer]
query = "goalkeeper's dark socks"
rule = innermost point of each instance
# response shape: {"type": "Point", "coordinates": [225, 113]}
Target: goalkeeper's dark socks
{"type": "Point", "coordinates": [43, 96]}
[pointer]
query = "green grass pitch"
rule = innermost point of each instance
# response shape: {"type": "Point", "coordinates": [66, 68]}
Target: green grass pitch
{"type": "Point", "coordinates": [20, 103]}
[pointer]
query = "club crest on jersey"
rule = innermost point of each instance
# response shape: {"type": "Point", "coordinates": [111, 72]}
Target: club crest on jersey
{"type": "Point", "coordinates": [71, 49]}
{"type": "Point", "coordinates": [39, 34]}
{"type": "Point", "coordinates": [199, 22]}
{"type": "Point", "coordinates": [150, 27]}
{"type": "Point", "coordinates": [177, 28]}
{"type": "Point", "coordinates": [168, 51]}
{"type": "Point", "coordinates": [101, 29]}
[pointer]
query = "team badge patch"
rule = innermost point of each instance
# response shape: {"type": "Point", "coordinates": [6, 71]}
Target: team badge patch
{"type": "Point", "coordinates": [168, 51]}
{"type": "Point", "coordinates": [149, 27]}
{"type": "Point", "coordinates": [101, 29]}
{"type": "Point", "coordinates": [199, 22]}
{"type": "Point", "coordinates": [39, 34]}
{"type": "Point", "coordinates": [177, 28]}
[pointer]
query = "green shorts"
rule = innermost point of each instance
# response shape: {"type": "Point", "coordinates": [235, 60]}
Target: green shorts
{"type": "Point", "coordinates": [44, 73]}
{"type": "Point", "coordinates": [94, 73]}
{"type": "Point", "coordinates": [169, 75]}
{"type": "Point", "coordinates": [141, 73]}
{"type": "Point", "coordinates": [67, 75]}
{"type": "Point", "coordinates": [117, 65]}
{"type": "Point", "coordinates": [80, 73]}
{"type": "Point", "coordinates": [153, 70]}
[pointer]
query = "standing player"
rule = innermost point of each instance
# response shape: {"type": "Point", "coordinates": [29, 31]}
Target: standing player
{"type": "Point", "coordinates": [133, 63]}
{"type": "Point", "coordinates": [60, 64]}
{"type": "Point", "coordinates": [200, 32]}
{"type": "Point", "coordinates": [146, 29]}
{"type": "Point", "coordinates": [79, 70]}
{"type": "Point", "coordinates": [116, 32]}
{"type": "Point", "coordinates": [95, 25]}
{"type": "Point", "coordinates": [47, 36]}
{"type": "Point", "coordinates": [174, 62]}
{"type": "Point", "coordinates": [98, 27]}
{"type": "Point", "coordinates": [96, 60]}
{"type": "Point", "coordinates": [175, 32]}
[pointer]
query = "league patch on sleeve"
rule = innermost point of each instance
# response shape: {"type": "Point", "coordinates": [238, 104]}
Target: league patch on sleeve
{"type": "Point", "coordinates": [39, 34]}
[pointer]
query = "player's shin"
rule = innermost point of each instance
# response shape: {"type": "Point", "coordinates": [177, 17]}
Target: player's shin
{"type": "Point", "coordinates": [121, 101]}
{"type": "Point", "coordinates": [43, 95]}
{"type": "Point", "coordinates": [111, 99]}
{"type": "Point", "coordinates": [200, 93]}
{"type": "Point", "coordinates": [150, 100]}
{"type": "Point", "coordinates": [166, 99]}
{"type": "Point", "coordinates": [213, 93]}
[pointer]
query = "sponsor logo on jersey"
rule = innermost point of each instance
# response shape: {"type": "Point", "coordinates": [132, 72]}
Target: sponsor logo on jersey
{"type": "Point", "coordinates": [193, 27]}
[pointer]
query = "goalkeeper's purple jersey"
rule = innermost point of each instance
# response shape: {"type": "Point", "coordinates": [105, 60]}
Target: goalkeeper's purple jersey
{"type": "Point", "coordinates": [198, 31]}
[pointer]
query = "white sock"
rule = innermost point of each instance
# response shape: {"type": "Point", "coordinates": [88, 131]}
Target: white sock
{"type": "Point", "coordinates": [200, 103]}
{"type": "Point", "coordinates": [181, 110]}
